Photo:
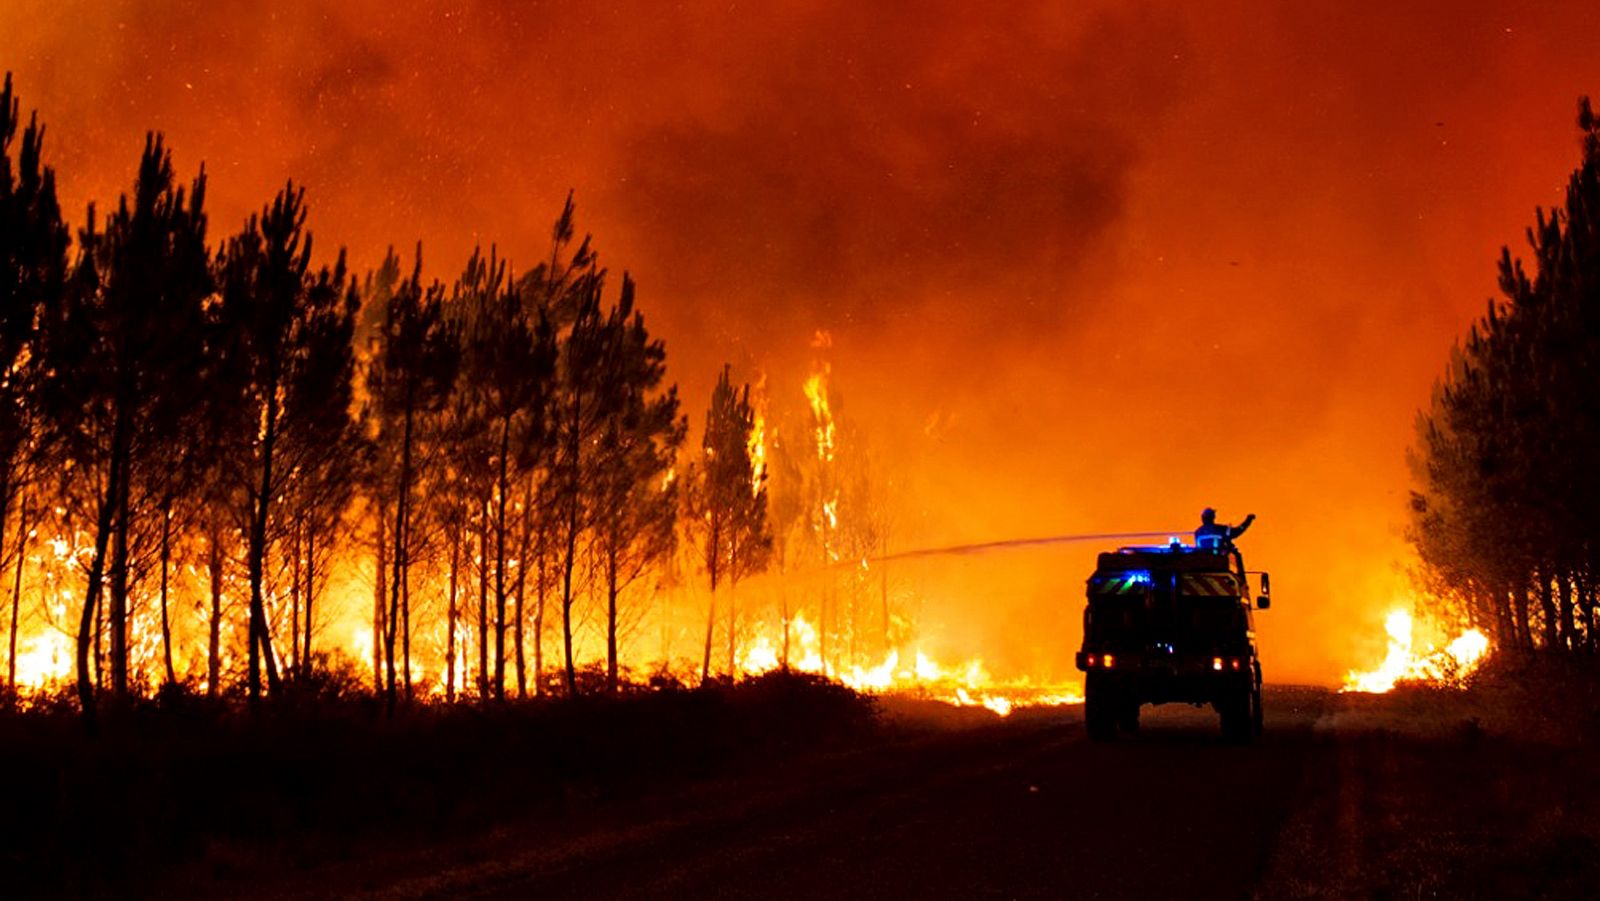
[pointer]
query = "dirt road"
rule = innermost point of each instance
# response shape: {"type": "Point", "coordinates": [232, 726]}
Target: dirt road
{"type": "Point", "coordinates": [1333, 801]}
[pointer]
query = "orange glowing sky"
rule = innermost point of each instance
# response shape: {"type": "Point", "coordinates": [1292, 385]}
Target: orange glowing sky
{"type": "Point", "coordinates": [1084, 269]}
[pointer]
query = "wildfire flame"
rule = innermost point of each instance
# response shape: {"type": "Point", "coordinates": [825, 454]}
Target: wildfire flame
{"type": "Point", "coordinates": [816, 389]}
{"type": "Point", "coordinates": [44, 660]}
{"type": "Point", "coordinates": [1448, 665]}
{"type": "Point", "coordinates": [758, 438]}
{"type": "Point", "coordinates": [965, 685]}
{"type": "Point", "coordinates": [46, 652]}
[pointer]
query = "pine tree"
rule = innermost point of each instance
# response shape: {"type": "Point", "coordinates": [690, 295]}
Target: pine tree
{"type": "Point", "coordinates": [635, 498]}
{"type": "Point", "coordinates": [33, 273]}
{"type": "Point", "coordinates": [411, 377]}
{"type": "Point", "coordinates": [728, 505]}
{"type": "Point", "coordinates": [287, 343]}
{"type": "Point", "coordinates": [510, 364]}
{"type": "Point", "coordinates": [1501, 515]}
{"type": "Point", "coordinates": [120, 351]}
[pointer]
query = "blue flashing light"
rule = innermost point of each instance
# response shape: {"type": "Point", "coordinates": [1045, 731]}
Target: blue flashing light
{"type": "Point", "coordinates": [1139, 577]}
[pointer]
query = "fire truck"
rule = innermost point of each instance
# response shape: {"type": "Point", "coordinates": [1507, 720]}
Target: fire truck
{"type": "Point", "coordinates": [1172, 624]}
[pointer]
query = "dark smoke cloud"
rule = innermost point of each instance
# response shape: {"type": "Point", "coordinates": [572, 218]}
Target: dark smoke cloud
{"type": "Point", "coordinates": [869, 159]}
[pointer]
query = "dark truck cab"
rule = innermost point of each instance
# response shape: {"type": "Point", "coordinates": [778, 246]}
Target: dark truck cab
{"type": "Point", "coordinates": [1171, 624]}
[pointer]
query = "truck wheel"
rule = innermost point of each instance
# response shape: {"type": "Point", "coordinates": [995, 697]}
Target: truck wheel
{"type": "Point", "coordinates": [1099, 712]}
{"type": "Point", "coordinates": [1258, 714]}
{"type": "Point", "coordinates": [1237, 719]}
{"type": "Point", "coordinates": [1129, 721]}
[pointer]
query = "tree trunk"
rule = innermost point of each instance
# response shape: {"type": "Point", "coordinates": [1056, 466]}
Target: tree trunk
{"type": "Point", "coordinates": [214, 627]}
{"type": "Point", "coordinates": [166, 561]}
{"type": "Point", "coordinates": [117, 615]}
{"type": "Point", "coordinates": [1547, 606]}
{"type": "Point", "coordinates": [1499, 602]}
{"type": "Point", "coordinates": [501, 488]}
{"type": "Point", "coordinates": [450, 619]}
{"type": "Point", "coordinates": [306, 665]}
{"type": "Point", "coordinates": [522, 584]}
{"type": "Point", "coordinates": [391, 617]}
{"type": "Point", "coordinates": [541, 588]}
{"type": "Point", "coordinates": [733, 626]}
{"type": "Point", "coordinates": [1569, 637]}
{"type": "Point", "coordinates": [611, 614]}
{"type": "Point", "coordinates": [574, 489]}
{"type": "Point", "coordinates": [1585, 610]}
{"type": "Point", "coordinates": [260, 638]}
{"type": "Point", "coordinates": [405, 626]}
{"type": "Point", "coordinates": [380, 597]}
{"type": "Point", "coordinates": [294, 600]}
{"type": "Point", "coordinates": [483, 607]}
{"type": "Point", "coordinates": [89, 622]}
{"type": "Point", "coordinates": [1591, 619]}
{"type": "Point", "coordinates": [402, 541]}
{"type": "Point", "coordinates": [22, 525]}
{"type": "Point", "coordinates": [1519, 599]}
{"type": "Point", "coordinates": [16, 596]}
{"type": "Point", "coordinates": [100, 650]}
{"type": "Point", "coordinates": [713, 557]}
{"type": "Point", "coordinates": [566, 597]}
{"type": "Point", "coordinates": [518, 617]}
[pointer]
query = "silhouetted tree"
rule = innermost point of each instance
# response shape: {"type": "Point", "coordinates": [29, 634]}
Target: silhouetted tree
{"type": "Point", "coordinates": [1502, 516]}
{"type": "Point", "coordinates": [635, 505]}
{"type": "Point", "coordinates": [729, 505]}
{"type": "Point", "coordinates": [288, 332]}
{"type": "Point", "coordinates": [577, 417]}
{"type": "Point", "coordinates": [412, 376]}
{"type": "Point", "coordinates": [33, 272]}
{"type": "Point", "coordinates": [510, 363]}
{"type": "Point", "coordinates": [120, 351]}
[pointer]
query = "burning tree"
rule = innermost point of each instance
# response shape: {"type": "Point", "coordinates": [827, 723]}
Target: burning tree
{"type": "Point", "coordinates": [640, 433]}
{"type": "Point", "coordinates": [509, 368]}
{"type": "Point", "coordinates": [411, 376]}
{"type": "Point", "coordinates": [840, 512]}
{"type": "Point", "coordinates": [33, 271]}
{"type": "Point", "coordinates": [578, 414]}
{"type": "Point", "coordinates": [122, 344]}
{"type": "Point", "coordinates": [728, 501]}
{"type": "Point", "coordinates": [462, 483]}
{"type": "Point", "coordinates": [518, 433]}
{"type": "Point", "coordinates": [284, 375]}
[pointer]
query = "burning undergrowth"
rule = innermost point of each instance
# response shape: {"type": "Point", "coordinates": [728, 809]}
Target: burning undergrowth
{"type": "Point", "coordinates": [1408, 661]}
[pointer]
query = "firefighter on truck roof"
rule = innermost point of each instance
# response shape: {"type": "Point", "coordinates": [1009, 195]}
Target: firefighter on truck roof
{"type": "Point", "coordinates": [1214, 536]}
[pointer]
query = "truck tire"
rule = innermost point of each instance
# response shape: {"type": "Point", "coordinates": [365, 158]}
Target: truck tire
{"type": "Point", "coordinates": [1238, 721]}
{"type": "Point", "coordinates": [1099, 711]}
{"type": "Point", "coordinates": [1258, 714]}
{"type": "Point", "coordinates": [1129, 720]}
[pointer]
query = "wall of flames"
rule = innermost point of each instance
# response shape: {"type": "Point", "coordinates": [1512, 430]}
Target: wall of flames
{"type": "Point", "coordinates": [1405, 662]}
{"type": "Point", "coordinates": [661, 623]}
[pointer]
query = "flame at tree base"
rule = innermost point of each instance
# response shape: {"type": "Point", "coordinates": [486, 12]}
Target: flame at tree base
{"type": "Point", "coordinates": [1449, 665]}
{"type": "Point", "coordinates": [966, 685]}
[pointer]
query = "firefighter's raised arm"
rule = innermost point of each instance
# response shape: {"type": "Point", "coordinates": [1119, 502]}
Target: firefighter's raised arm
{"type": "Point", "coordinates": [1238, 530]}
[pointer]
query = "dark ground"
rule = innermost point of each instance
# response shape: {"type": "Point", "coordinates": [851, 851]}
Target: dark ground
{"type": "Point", "coordinates": [1413, 795]}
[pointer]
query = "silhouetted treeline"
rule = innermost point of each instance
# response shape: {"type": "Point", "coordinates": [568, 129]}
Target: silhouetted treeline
{"type": "Point", "coordinates": [172, 403]}
{"type": "Point", "coordinates": [1505, 516]}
